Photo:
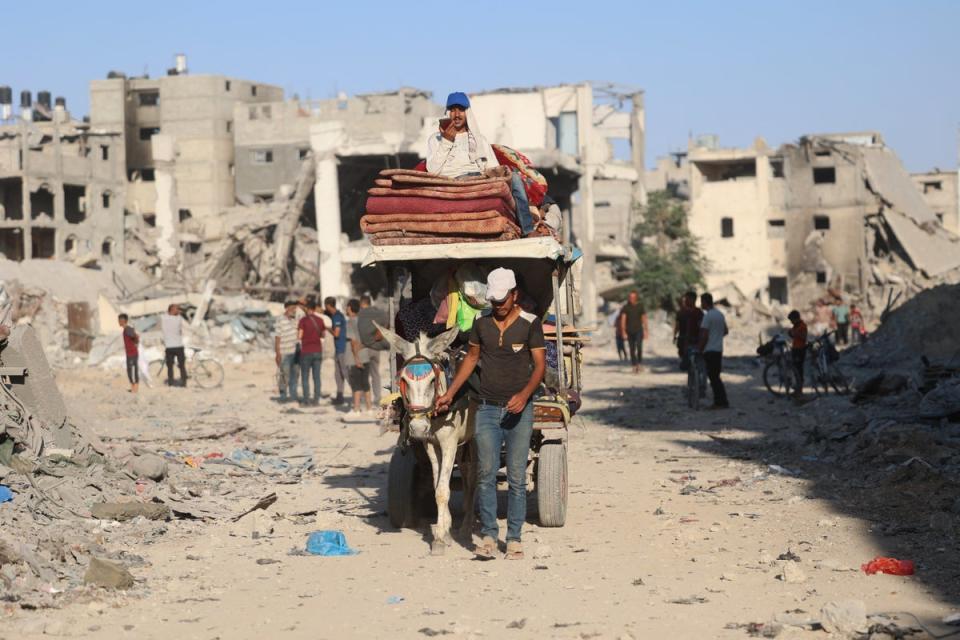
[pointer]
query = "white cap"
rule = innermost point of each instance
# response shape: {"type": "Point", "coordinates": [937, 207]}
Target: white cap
{"type": "Point", "coordinates": [500, 282]}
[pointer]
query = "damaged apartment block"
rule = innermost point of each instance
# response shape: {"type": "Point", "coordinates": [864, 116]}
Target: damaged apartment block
{"type": "Point", "coordinates": [831, 212]}
{"type": "Point", "coordinates": [61, 183]}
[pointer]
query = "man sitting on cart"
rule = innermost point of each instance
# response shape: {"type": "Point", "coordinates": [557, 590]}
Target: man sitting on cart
{"type": "Point", "coordinates": [509, 346]}
{"type": "Point", "coordinates": [458, 150]}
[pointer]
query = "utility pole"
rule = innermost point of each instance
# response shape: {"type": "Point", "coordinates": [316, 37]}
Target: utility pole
{"type": "Point", "coordinates": [588, 245]}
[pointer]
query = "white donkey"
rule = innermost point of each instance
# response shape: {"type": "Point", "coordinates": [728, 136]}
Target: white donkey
{"type": "Point", "coordinates": [421, 381]}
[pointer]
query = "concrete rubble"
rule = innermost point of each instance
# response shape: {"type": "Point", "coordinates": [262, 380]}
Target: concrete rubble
{"type": "Point", "coordinates": [82, 506]}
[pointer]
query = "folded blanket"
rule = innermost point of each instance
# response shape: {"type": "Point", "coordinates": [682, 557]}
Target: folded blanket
{"type": "Point", "coordinates": [478, 226]}
{"type": "Point", "coordinates": [430, 179]}
{"type": "Point", "coordinates": [501, 190]}
{"type": "Point", "coordinates": [429, 217]}
{"type": "Point", "coordinates": [416, 206]}
{"type": "Point", "coordinates": [379, 241]}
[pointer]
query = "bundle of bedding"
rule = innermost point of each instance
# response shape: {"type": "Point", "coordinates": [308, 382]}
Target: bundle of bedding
{"type": "Point", "coordinates": [412, 207]}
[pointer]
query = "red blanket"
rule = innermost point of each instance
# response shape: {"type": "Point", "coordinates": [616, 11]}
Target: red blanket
{"type": "Point", "coordinates": [447, 193]}
{"type": "Point", "coordinates": [483, 224]}
{"type": "Point", "coordinates": [415, 206]}
{"type": "Point", "coordinates": [429, 217]}
{"type": "Point", "coordinates": [401, 240]}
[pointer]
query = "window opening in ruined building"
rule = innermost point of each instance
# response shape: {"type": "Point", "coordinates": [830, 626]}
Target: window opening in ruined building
{"type": "Point", "coordinates": [104, 152]}
{"type": "Point", "coordinates": [776, 228]}
{"type": "Point", "coordinates": [11, 244]}
{"type": "Point", "coordinates": [824, 175]}
{"type": "Point", "coordinates": [821, 277]}
{"type": "Point", "coordinates": [776, 166]}
{"type": "Point", "coordinates": [821, 223]}
{"type": "Point", "coordinates": [148, 132]}
{"type": "Point", "coordinates": [149, 98]}
{"type": "Point", "coordinates": [253, 113]}
{"type": "Point", "coordinates": [11, 198]}
{"type": "Point", "coordinates": [303, 153]}
{"type": "Point", "coordinates": [229, 126]}
{"type": "Point", "coordinates": [263, 197]}
{"type": "Point", "coordinates": [106, 249]}
{"type": "Point", "coordinates": [728, 170]}
{"type": "Point", "coordinates": [105, 199]}
{"type": "Point", "coordinates": [778, 289]}
{"type": "Point", "coordinates": [226, 85]}
{"type": "Point", "coordinates": [150, 219]}
{"type": "Point", "coordinates": [70, 245]}
{"type": "Point", "coordinates": [262, 156]}
{"type": "Point", "coordinates": [253, 90]}
{"type": "Point", "coordinates": [939, 216]}
{"type": "Point", "coordinates": [192, 247]}
{"type": "Point", "coordinates": [601, 204]}
{"type": "Point", "coordinates": [567, 133]}
{"type": "Point", "coordinates": [74, 203]}
{"type": "Point", "coordinates": [267, 112]}
{"type": "Point", "coordinates": [184, 214]}
{"type": "Point", "coordinates": [43, 241]}
{"type": "Point", "coordinates": [726, 227]}
{"type": "Point", "coordinates": [41, 203]}
{"type": "Point", "coordinates": [932, 186]}
{"type": "Point", "coordinates": [823, 153]}
{"type": "Point", "coordinates": [230, 169]}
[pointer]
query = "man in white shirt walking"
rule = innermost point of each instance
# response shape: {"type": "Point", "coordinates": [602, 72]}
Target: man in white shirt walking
{"type": "Point", "coordinates": [712, 330]}
{"type": "Point", "coordinates": [171, 325]}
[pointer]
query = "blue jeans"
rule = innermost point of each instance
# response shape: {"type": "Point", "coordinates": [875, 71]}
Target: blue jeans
{"type": "Point", "coordinates": [310, 362]}
{"type": "Point", "coordinates": [291, 370]}
{"type": "Point", "coordinates": [495, 426]}
{"type": "Point", "coordinates": [523, 205]}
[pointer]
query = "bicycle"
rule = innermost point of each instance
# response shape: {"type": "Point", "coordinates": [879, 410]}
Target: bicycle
{"type": "Point", "coordinates": [825, 372]}
{"type": "Point", "coordinates": [779, 376]}
{"type": "Point", "coordinates": [696, 378]}
{"type": "Point", "coordinates": [205, 370]}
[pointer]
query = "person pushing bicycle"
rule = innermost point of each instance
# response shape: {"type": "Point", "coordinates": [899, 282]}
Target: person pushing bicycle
{"type": "Point", "coordinates": [798, 346]}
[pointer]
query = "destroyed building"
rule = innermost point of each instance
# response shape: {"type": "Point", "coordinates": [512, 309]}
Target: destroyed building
{"type": "Point", "coordinates": [567, 132]}
{"type": "Point", "coordinates": [830, 211]}
{"type": "Point", "coordinates": [61, 182]}
{"type": "Point", "coordinates": [941, 193]}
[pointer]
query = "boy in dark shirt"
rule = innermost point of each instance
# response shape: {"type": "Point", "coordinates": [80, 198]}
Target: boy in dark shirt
{"type": "Point", "coordinates": [131, 346]}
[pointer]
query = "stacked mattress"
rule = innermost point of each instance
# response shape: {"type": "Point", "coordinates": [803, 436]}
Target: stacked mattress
{"type": "Point", "coordinates": [412, 207]}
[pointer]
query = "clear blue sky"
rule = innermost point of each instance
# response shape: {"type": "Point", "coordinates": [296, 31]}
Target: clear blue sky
{"type": "Point", "coordinates": [736, 68]}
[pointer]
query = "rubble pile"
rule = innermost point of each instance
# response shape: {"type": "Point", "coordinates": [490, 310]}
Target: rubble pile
{"type": "Point", "coordinates": [921, 327]}
{"type": "Point", "coordinates": [75, 511]}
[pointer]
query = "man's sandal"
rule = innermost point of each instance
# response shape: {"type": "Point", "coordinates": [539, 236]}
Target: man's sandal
{"type": "Point", "coordinates": [514, 550]}
{"type": "Point", "coordinates": [486, 549]}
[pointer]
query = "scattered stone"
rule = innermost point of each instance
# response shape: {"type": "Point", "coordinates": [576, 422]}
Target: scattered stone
{"type": "Point", "coordinates": [791, 573]}
{"type": "Point", "coordinates": [264, 561]}
{"type": "Point", "coordinates": [728, 577]}
{"type": "Point", "coordinates": [102, 573]}
{"type": "Point", "coordinates": [542, 551]}
{"type": "Point", "coordinates": [123, 511]}
{"type": "Point", "coordinates": [638, 582]}
{"type": "Point", "coordinates": [149, 466]}
{"type": "Point", "coordinates": [517, 624]}
{"type": "Point", "coordinates": [845, 617]}
{"type": "Point", "coordinates": [789, 556]}
{"type": "Point", "coordinates": [941, 522]}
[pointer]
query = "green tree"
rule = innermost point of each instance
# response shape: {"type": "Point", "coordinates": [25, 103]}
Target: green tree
{"type": "Point", "coordinates": [669, 259]}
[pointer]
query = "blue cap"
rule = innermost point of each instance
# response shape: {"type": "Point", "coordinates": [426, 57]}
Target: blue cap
{"type": "Point", "coordinates": [458, 99]}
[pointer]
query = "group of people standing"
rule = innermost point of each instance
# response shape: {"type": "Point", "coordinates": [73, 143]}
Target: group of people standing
{"type": "Point", "coordinates": [298, 349]}
{"type": "Point", "coordinates": [701, 328]}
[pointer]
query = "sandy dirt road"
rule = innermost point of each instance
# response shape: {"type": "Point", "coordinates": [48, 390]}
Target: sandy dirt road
{"type": "Point", "coordinates": [671, 533]}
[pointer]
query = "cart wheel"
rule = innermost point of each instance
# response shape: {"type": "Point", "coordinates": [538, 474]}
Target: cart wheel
{"type": "Point", "coordinates": [401, 488]}
{"type": "Point", "coordinates": [552, 484]}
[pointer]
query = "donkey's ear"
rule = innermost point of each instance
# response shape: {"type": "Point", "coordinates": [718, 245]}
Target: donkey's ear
{"type": "Point", "coordinates": [439, 344]}
{"type": "Point", "coordinates": [399, 344]}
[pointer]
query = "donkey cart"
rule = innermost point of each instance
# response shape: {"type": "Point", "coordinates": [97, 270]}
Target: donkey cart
{"type": "Point", "coordinates": [545, 278]}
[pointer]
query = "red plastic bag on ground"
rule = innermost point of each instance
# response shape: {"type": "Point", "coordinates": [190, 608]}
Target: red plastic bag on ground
{"type": "Point", "coordinates": [890, 566]}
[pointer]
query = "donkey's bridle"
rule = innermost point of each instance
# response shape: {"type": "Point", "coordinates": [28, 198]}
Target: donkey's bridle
{"type": "Point", "coordinates": [439, 382]}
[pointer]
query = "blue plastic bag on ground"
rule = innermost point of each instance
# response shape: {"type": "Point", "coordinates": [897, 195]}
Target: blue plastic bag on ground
{"type": "Point", "coordinates": [5, 494]}
{"type": "Point", "coordinates": [328, 543]}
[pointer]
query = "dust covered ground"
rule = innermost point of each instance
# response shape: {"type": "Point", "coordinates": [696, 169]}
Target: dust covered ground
{"type": "Point", "coordinates": [676, 526]}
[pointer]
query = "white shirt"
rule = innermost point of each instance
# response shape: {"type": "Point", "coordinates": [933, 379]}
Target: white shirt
{"type": "Point", "coordinates": [453, 159]}
{"type": "Point", "coordinates": [716, 326]}
{"type": "Point", "coordinates": [172, 328]}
